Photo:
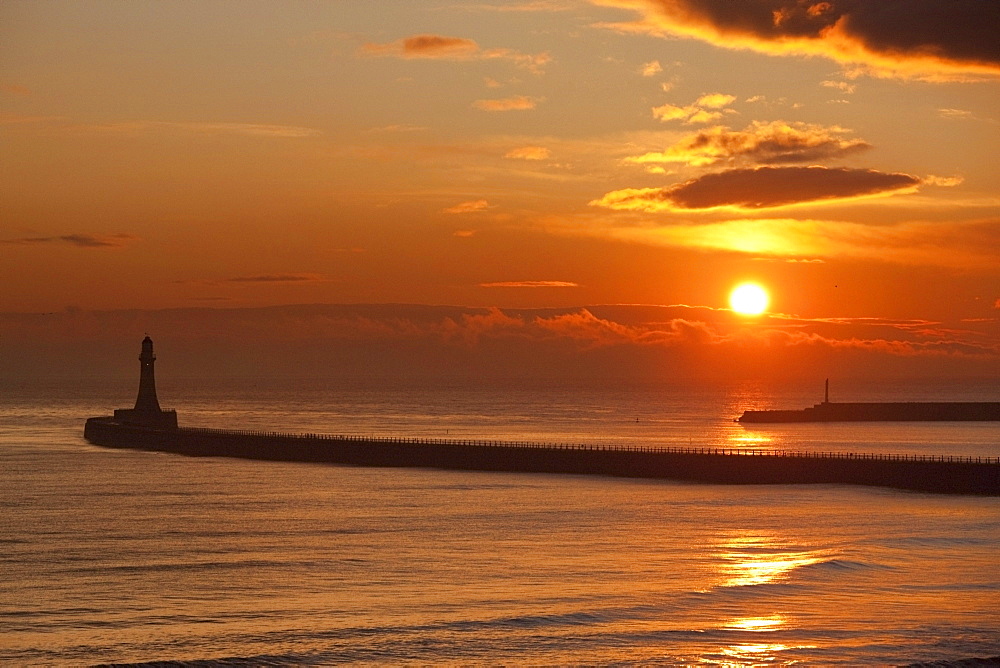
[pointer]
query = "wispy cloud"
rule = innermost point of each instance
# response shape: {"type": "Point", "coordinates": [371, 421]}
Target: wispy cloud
{"type": "Point", "coordinates": [528, 153]}
{"type": "Point", "coordinates": [651, 69]}
{"type": "Point", "coordinates": [471, 206]}
{"type": "Point", "coordinates": [17, 119]}
{"type": "Point", "coordinates": [399, 127]}
{"type": "Point", "coordinates": [426, 46]}
{"type": "Point", "coordinates": [516, 103]}
{"type": "Point", "coordinates": [842, 86]}
{"type": "Point", "coordinates": [955, 113]}
{"type": "Point", "coordinates": [145, 127]}
{"type": "Point", "coordinates": [79, 240]}
{"type": "Point", "coordinates": [703, 110]}
{"type": "Point", "coordinates": [523, 6]}
{"type": "Point", "coordinates": [440, 47]}
{"type": "Point", "coordinates": [15, 89]}
{"type": "Point", "coordinates": [530, 284]}
{"type": "Point", "coordinates": [247, 129]}
{"type": "Point", "coordinates": [279, 278]}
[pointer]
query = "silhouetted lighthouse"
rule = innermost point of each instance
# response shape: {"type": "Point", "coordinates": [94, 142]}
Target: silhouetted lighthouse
{"type": "Point", "coordinates": [147, 412]}
{"type": "Point", "coordinates": [146, 401]}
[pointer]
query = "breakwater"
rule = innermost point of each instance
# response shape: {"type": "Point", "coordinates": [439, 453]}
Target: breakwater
{"type": "Point", "coordinates": [940, 474]}
{"type": "Point", "coordinates": [942, 411]}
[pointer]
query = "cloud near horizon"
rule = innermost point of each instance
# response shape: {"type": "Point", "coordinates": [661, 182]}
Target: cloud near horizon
{"type": "Point", "coordinates": [761, 188]}
{"type": "Point", "coordinates": [598, 342]}
{"type": "Point", "coordinates": [761, 143]}
{"type": "Point", "coordinates": [933, 39]}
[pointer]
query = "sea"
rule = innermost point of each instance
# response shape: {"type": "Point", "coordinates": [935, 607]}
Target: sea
{"type": "Point", "coordinates": [128, 557]}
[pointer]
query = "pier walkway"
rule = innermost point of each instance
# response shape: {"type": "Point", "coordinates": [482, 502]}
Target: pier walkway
{"type": "Point", "coordinates": [937, 473]}
{"type": "Point", "coordinates": [485, 443]}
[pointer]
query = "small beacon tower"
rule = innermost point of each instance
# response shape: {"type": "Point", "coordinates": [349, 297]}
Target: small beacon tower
{"type": "Point", "coordinates": [147, 412]}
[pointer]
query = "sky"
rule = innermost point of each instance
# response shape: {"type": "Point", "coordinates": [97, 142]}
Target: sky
{"type": "Point", "coordinates": [495, 185]}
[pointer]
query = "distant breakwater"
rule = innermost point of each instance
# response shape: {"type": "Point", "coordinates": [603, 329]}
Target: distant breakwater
{"type": "Point", "coordinates": [939, 474]}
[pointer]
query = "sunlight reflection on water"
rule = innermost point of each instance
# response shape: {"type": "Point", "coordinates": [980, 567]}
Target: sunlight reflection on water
{"type": "Point", "coordinates": [758, 624]}
{"type": "Point", "coordinates": [759, 559]}
{"type": "Point", "coordinates": [753, 654]}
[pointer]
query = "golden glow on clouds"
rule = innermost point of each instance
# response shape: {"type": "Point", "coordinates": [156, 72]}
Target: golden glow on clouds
{"type": "Point", "coordinates": [967, 245]}
{"type": "Point", "coordinates": [760, 142]}
{"type": "Point", "coordinates": [703, 110]}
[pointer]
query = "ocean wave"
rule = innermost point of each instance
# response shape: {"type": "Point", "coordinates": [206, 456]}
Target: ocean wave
{"type": "Point", "coordinates": [838, 565]}
{"type": "Point", "coordinates": [234, 565]}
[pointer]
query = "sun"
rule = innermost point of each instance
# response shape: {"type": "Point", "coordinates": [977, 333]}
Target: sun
{"type": "Point", "coordinates": [748, 299]}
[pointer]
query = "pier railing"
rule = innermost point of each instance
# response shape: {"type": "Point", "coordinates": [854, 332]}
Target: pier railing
{"type": "Point", "coordinates": [651, 449]}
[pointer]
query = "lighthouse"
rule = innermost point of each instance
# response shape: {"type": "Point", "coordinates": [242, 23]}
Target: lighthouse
{"type": "Point", "coordinates": [146, 401]}
{"type": "Point", "coordinates": [147, 411]}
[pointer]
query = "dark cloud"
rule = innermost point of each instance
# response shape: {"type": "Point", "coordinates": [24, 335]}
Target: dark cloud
{"type": "Point", "coordinates": [761, 188]}
{"type": "Point", "coordinates": [886, 34]}
{"type": "Point", "coordinates": [961, 30]}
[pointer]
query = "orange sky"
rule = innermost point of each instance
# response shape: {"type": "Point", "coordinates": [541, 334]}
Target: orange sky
{"type": "Point", "coordinates": [521, 154]}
